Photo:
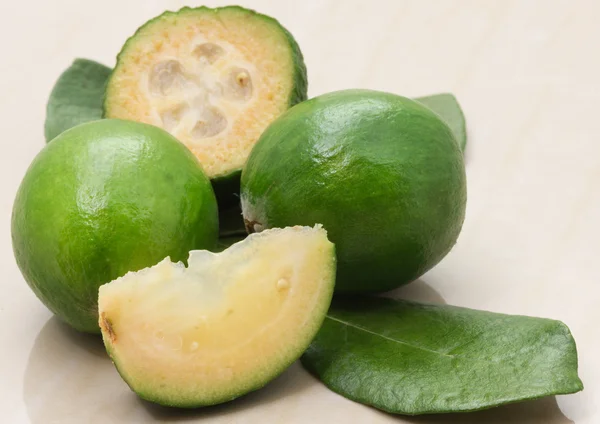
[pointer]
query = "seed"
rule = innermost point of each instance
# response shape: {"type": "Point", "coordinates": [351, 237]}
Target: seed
{"type": "Point", "coordinates": [283, 284]}
{"type": "Point", "coordinates": [238, 84]}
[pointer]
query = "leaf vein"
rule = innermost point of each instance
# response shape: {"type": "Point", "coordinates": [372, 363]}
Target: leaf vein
{"type": "Point", "coordinates": [366, 330]}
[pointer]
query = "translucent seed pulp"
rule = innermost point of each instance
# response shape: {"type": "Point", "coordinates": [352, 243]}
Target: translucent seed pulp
{"type": "Point", "coordinates": [166, 77]}
{"type": "Point", "coordinates": [194, 99]}
{"type": "Point", "coordinates": [210, 123]}
{"type": "Point", "coordinates": [209, 52]}
{"type": "Point", "coordinates": [171, 117]}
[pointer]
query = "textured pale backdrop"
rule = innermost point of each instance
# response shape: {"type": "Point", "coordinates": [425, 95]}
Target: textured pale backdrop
{"type": "Point", "coordinates": [526, 73]}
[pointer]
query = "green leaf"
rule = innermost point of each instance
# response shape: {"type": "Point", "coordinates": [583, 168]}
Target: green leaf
{"type": "Point", "coordinates": [411, 358]}
{"type": "Point", "coordinates": [76, 97]}
{"type": "Point", "coordinates": [447, 107]}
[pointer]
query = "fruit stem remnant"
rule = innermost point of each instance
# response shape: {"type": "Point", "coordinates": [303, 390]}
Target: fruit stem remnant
{"type": "Point", "coordinates": [253, 226]}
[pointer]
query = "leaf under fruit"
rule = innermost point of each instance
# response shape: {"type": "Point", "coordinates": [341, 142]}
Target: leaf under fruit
{"type": "Point", "coordinates": [411, 358]}
{"type": "Point", "coordinates": [447, 107]}
{"type": "Point", "coordinates": [76, 97]}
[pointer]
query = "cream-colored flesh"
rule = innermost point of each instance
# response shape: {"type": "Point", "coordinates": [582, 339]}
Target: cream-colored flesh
{"type": "Point", "coordinates": [226, 324]}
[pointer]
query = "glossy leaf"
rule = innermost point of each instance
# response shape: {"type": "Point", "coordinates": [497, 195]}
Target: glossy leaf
{"type": "Point", "coordinates": [447, 107]}
{"type": "Point", "coordinates": [76, 97]}
{"type": "Point", "coordinates": [411, 358]}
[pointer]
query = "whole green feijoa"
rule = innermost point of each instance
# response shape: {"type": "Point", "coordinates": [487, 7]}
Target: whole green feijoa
{"type": "Point", "coordinates": [102, 199]}
{"type": "Point", "coordinates": [382, 173]}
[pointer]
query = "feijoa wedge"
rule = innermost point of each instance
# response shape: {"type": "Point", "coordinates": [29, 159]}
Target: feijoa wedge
{"type": "Point", "coordinates": [225, 325]}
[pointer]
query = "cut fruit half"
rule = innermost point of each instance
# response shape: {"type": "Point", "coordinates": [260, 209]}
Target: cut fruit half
{"type": "Point", "coordinates": [227, 324]}
{"type": "Point", "coordinates": [214, 78]}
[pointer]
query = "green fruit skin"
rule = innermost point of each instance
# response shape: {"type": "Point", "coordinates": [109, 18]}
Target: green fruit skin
{"type": "Point", "coordinates": [227, 186]}
{"type": "Point", "coordinates": [102, 199]}
{"type": "Point", "coordinates": [382, 173]}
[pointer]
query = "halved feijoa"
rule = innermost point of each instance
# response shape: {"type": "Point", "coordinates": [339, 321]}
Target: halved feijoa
{"type": "Point", "coordinates": [225, 325]}
{"type": "Point", "coordinates": [214, 78]}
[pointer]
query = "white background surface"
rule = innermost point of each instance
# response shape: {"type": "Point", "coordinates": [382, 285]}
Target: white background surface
{"type": "Point", "coordinates": [527, 74]}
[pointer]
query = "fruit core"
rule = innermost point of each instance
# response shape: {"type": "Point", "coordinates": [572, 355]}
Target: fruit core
{"type": "Point", "coordinates": [197, 96]}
